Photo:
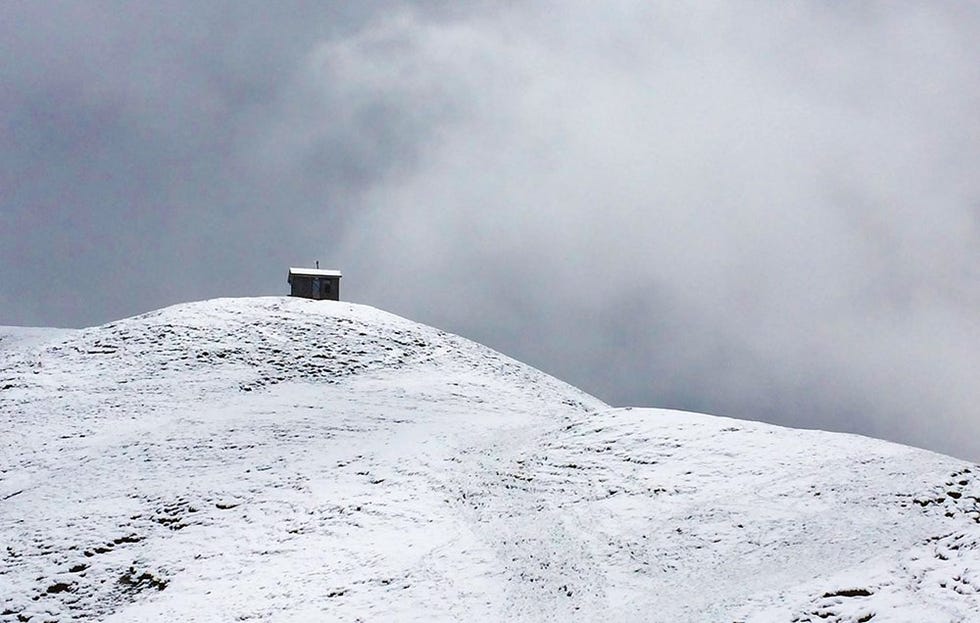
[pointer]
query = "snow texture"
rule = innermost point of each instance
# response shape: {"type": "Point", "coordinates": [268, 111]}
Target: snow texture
{"type": "Point", "coordinates": [278, 459]}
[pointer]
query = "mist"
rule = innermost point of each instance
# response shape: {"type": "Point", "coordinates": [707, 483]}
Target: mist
{"type": "Point", "coordinates": [767, 214]}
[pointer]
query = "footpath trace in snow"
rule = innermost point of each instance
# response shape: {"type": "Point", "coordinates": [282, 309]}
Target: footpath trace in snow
{"type": "Point", "coordinates": [280, 459]}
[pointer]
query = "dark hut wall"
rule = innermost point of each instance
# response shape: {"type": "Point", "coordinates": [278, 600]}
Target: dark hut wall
{"type": "Point", "coordinates": [305, 286]}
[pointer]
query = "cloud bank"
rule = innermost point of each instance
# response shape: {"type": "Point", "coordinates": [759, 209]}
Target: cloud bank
{"type": "Point", "coordinates": [768, 213]}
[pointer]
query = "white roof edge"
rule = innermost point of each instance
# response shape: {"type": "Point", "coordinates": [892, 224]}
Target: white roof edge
{"type": "Point", "coordinates": [315, 272]}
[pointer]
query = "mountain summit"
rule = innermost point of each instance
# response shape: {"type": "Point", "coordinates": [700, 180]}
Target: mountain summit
{"type": "Point", "coordinates": [293, 460]}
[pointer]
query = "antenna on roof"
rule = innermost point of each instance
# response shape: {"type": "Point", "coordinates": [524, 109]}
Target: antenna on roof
{"type": "Point", "coordinates": [318, 264]}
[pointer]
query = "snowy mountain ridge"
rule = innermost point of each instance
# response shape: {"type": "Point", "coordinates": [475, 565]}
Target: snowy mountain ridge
{"type": "Point", "coordinates": [292, 460]}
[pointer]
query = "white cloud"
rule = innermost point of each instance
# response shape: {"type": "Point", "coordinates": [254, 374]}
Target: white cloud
{"type": "Point", "coordinates": [776, 205]}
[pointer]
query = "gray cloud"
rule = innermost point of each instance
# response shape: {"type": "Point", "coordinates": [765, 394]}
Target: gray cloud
{"type": "Point", "coordinates": [768, 214]}
{"type": "Point", "coordinates": [763, 211]}
{"type": "Point", "coordinates": [165, 152]}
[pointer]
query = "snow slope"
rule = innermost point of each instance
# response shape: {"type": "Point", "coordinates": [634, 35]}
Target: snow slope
{"type": "Point", "coordinates": [292, 460]}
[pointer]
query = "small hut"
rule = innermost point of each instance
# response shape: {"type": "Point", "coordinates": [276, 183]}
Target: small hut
{"type": "Point", "coordinates": [314, 283]}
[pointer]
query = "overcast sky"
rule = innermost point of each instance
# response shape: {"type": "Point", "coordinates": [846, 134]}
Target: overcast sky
{"type": "Point", "coordinates": [764, 210]}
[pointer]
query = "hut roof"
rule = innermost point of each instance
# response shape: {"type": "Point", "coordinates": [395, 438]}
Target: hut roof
{"type": "Point", "coordinates": [313, 272]}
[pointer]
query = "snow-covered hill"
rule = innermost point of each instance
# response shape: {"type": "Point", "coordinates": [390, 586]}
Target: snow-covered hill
{"type": "Point", "coordinates": [292, 460]}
